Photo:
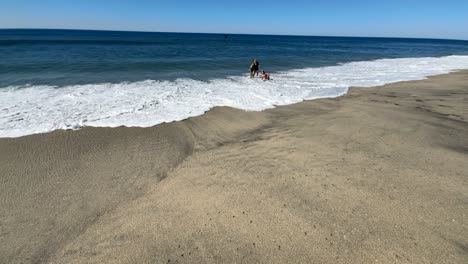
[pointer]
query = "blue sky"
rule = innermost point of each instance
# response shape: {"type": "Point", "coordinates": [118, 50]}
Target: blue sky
{"type": "Point", "coordinates": [397, 18]}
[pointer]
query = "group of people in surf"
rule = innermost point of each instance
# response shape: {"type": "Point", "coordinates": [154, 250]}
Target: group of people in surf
{"type": "Point", "coordinates": [254, 68]}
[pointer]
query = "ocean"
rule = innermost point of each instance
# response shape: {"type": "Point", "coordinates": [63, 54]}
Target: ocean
{"type": "Point", "coordinates": [67, 79]}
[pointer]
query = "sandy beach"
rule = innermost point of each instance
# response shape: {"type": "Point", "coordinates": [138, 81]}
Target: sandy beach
{"type": "Point", "coordinates": [379, 175]}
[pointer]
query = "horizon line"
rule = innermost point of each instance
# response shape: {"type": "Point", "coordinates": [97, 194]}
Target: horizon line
{"type": "Point", "coordinates": [227, 33]}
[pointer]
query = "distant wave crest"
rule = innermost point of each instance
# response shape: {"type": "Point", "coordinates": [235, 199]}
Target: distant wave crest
{"type": "Point", "coordinates": [11, 42]}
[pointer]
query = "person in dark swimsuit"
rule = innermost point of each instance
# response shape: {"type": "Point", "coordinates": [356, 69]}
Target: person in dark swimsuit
{"type": "Point", "coordinates": [256, 64]}
{"type": "Point", "coordinates": [254, 67]}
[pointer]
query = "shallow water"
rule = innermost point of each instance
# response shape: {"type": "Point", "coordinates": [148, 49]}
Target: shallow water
{"type": "Point", "coordinates": [62, 79]}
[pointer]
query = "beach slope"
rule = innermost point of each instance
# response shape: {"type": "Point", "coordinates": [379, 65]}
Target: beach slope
{"type": "Point", "coordinates": [378, 175]}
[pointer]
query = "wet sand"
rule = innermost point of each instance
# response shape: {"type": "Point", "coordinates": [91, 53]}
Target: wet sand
{"type": "Point", "coordinates": [379, 175]}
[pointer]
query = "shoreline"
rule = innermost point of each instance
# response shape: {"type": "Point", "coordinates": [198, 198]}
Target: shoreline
{"type": "Point", "coordinates": [147, 103]}
{"type": "Point", "coordinates": [376, 174]}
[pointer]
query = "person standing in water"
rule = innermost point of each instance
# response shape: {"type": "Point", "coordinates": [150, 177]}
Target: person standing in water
{"type": "Point", "coordinates": [254, 67]}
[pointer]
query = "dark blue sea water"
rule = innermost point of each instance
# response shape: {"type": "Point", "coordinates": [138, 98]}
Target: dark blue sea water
{"type": "Point", "coordinates": [66, 57]}
{"type": "Point", "coordinates": [67, 79]}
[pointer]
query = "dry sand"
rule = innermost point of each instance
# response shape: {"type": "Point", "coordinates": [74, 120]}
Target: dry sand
{"type": "Point", "coordinates": [377, 176]}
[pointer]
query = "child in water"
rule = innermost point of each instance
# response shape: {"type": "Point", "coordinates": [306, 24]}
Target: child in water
{"type": "Point", "coordinates": [265, 76]}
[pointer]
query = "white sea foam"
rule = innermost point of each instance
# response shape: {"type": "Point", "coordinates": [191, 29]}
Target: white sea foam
{"type": "Point", "coordinates": [36, 109]}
